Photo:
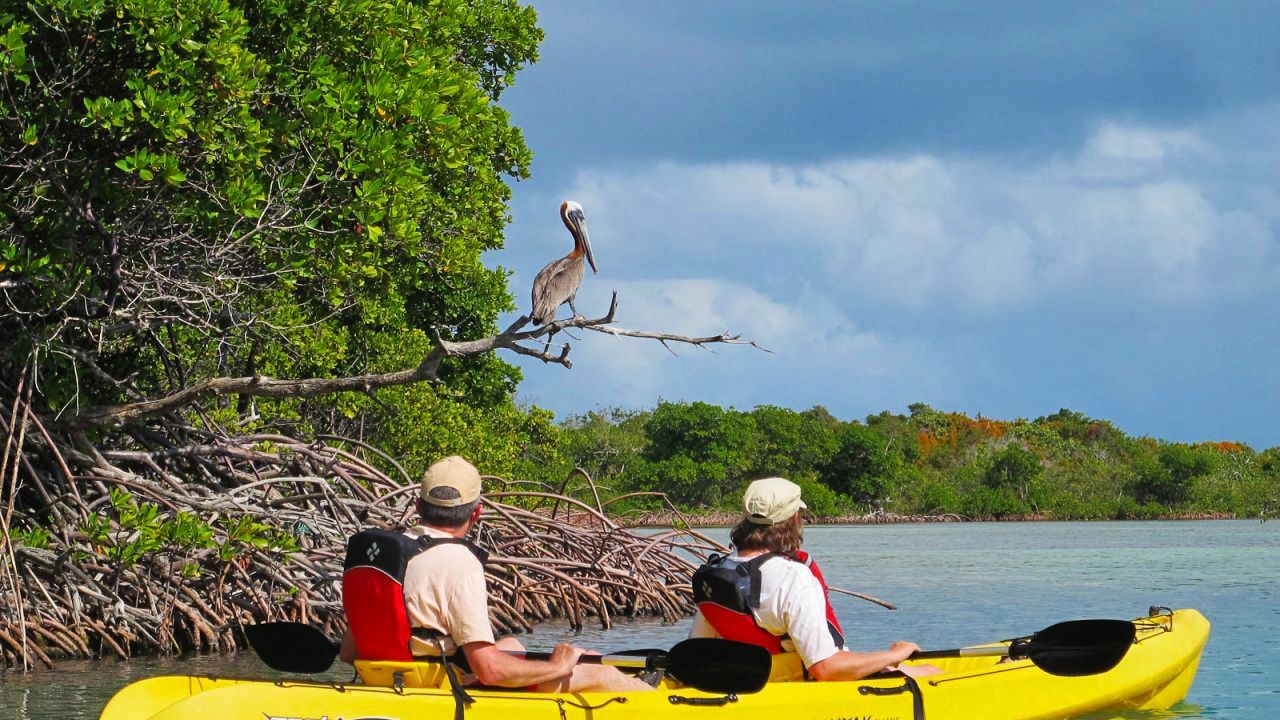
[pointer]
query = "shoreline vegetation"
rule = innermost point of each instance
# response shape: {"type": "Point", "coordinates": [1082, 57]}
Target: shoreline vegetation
{"type": "Point", "coordinates": [727, 519]}
{"type": "Point", "coordinates": [925, 464]}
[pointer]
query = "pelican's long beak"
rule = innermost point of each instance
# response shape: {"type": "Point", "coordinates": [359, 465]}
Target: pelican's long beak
{"type": "Point", "coordinates": [580, 230]}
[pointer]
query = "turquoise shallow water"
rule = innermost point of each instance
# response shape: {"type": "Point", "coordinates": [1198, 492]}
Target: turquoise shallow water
{"type": "Point", "coordinates": [954, 584]}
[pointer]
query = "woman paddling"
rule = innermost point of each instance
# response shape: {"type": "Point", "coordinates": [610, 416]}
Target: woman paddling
{"type": "Point", "coordinates": [770, 593]}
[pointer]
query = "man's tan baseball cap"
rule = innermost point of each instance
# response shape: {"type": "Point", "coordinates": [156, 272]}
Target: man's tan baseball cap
{"type": "Point", "coordinates": [451, 482]}
{"type": "Point", "coordinates": [770, 501]}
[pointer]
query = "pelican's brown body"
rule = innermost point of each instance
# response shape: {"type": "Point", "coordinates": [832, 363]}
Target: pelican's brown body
{"type": "Point", "coordinates": [558, 282]}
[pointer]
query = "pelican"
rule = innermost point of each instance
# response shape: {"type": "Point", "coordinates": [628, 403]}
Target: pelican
{"type": "Point", "coordinates": [557, 283]}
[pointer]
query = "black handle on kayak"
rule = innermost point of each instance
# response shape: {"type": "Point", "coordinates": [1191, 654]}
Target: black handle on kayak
{"type": "Point", "coordinates": [1069, 649]}
{"type": "Point", "coordinates": [702, 702]}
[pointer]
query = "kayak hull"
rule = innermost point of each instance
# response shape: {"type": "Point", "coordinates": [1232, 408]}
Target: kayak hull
{"type": "Point", "coordinates": [1155, 674]}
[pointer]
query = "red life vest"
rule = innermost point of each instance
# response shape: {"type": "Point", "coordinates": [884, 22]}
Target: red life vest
{"type": "Point", "coordinates": [727, 591]}
{"type": "Point", "coordinates": [373, 589]}
{"type": "Point", "coordinates": [832, 623]}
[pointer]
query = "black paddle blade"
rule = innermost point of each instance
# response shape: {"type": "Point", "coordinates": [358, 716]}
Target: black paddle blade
{"type": "Point", "coordinates": [719, 666]}
{"type": "Point", "coordinates": [1077, 647]}
{"type": "Point", "coordinates": [291, 647]}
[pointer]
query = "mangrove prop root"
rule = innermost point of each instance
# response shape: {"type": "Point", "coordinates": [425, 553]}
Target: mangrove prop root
{"type": "Point", "coordinates": [86, 571]}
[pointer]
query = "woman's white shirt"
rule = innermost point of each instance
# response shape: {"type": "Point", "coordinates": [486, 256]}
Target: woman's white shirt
{"type": "Point", "coordinates": [791, 603]}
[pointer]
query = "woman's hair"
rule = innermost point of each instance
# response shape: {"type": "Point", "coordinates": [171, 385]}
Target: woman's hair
{"type": "Point", "coordinates": [785, 537]}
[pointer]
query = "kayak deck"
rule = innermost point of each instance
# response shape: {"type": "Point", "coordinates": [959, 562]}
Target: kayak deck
{"type": "Point", "coordinates": [1155, 674]}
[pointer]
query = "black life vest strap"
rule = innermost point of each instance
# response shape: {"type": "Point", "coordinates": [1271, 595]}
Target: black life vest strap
{"type": "Point", "coordinates": [426, 542]}
{"type": "Point", "coordinates": [751, 568]}
{"type": "Point", "coordinates": [461, 699]}
{"type": "Point", "coordinates": [363, 550]}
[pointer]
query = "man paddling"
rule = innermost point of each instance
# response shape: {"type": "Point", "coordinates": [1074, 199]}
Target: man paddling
{"type": "Point", "coordinates": [423, 592]}
{"type": "Point", "coordinates": [770, 593]}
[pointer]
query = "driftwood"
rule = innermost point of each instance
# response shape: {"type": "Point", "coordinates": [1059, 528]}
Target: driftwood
{"type": "Point", "coordinates": [69, 592]}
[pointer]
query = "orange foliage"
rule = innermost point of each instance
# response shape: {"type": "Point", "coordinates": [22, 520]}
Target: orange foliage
{"type": "Point", "coordinates": [930, 442]}
{"type": "Point", "coordinates": [958, 423]}
{"type": "Point", "coordinates": [990, 428]}
{"type": "Point", "coordinates": [1225, 446]}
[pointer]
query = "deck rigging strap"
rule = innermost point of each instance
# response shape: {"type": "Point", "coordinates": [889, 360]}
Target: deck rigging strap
{"type": "Point", "coordinates": [461, 699]}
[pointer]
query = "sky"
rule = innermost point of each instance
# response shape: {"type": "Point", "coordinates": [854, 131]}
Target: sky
{"type": "Point", "coordinates": [988, 207]}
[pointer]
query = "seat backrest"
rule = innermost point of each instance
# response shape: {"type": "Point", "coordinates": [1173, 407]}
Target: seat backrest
{"type": "Point", "coordinates": [382, 673]}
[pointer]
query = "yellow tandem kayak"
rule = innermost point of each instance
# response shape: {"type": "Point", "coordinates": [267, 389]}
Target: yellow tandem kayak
{"type": "Point", "coordinates": [1155, 673]}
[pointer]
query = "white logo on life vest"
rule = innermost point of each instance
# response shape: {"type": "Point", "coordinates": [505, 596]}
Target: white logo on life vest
{"type": "Point", "coordinates": [706, 589]}
{"type": "Point", "coordinates": [373, 551]}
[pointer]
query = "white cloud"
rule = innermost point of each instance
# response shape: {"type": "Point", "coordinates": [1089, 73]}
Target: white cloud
{"type": "Point", "coordinates": [1114, 142]}
{"type": "Point", "coordinates": [1125, 219]}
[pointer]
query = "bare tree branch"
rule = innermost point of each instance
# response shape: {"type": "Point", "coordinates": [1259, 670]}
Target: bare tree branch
{"type": "Point", "coordinates": [426, 371]}
{"type": "Point", "coordinates": [723, 338]}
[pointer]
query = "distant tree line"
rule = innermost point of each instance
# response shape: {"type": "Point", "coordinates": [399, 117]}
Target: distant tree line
{"type": "Point", "coordinates": [927, 462]}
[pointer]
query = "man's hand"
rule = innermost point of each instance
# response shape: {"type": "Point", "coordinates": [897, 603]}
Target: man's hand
{"type": "Point", "coordinates": [903, 650]}
{"type": "Point", "coordinates": [564, 657]}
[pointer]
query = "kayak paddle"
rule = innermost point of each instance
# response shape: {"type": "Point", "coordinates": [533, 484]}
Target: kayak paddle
{"type": "Point", "coordinates": [292, 647]}
{"type": "Point", "coordinates": [707, 664]}
{"type": "Point", "coordinates": [1069, 649]}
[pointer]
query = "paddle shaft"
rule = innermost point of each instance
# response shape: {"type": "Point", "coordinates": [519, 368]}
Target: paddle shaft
{"type": "Point", "coordinates": [1068, 649]}
{"type": "Point", "coordinates": [620, 661]}
{"type": "Point", "coordinates": [997, 651]}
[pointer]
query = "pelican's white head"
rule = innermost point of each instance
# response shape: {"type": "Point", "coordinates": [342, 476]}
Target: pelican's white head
{"type": "Point", "coordinates": [574, 219]}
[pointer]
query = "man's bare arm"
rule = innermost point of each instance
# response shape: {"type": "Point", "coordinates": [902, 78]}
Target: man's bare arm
{"type": "Point", "coordinates": [849, 665]}
{"type": "Point", "coordinates": [498, 668]}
